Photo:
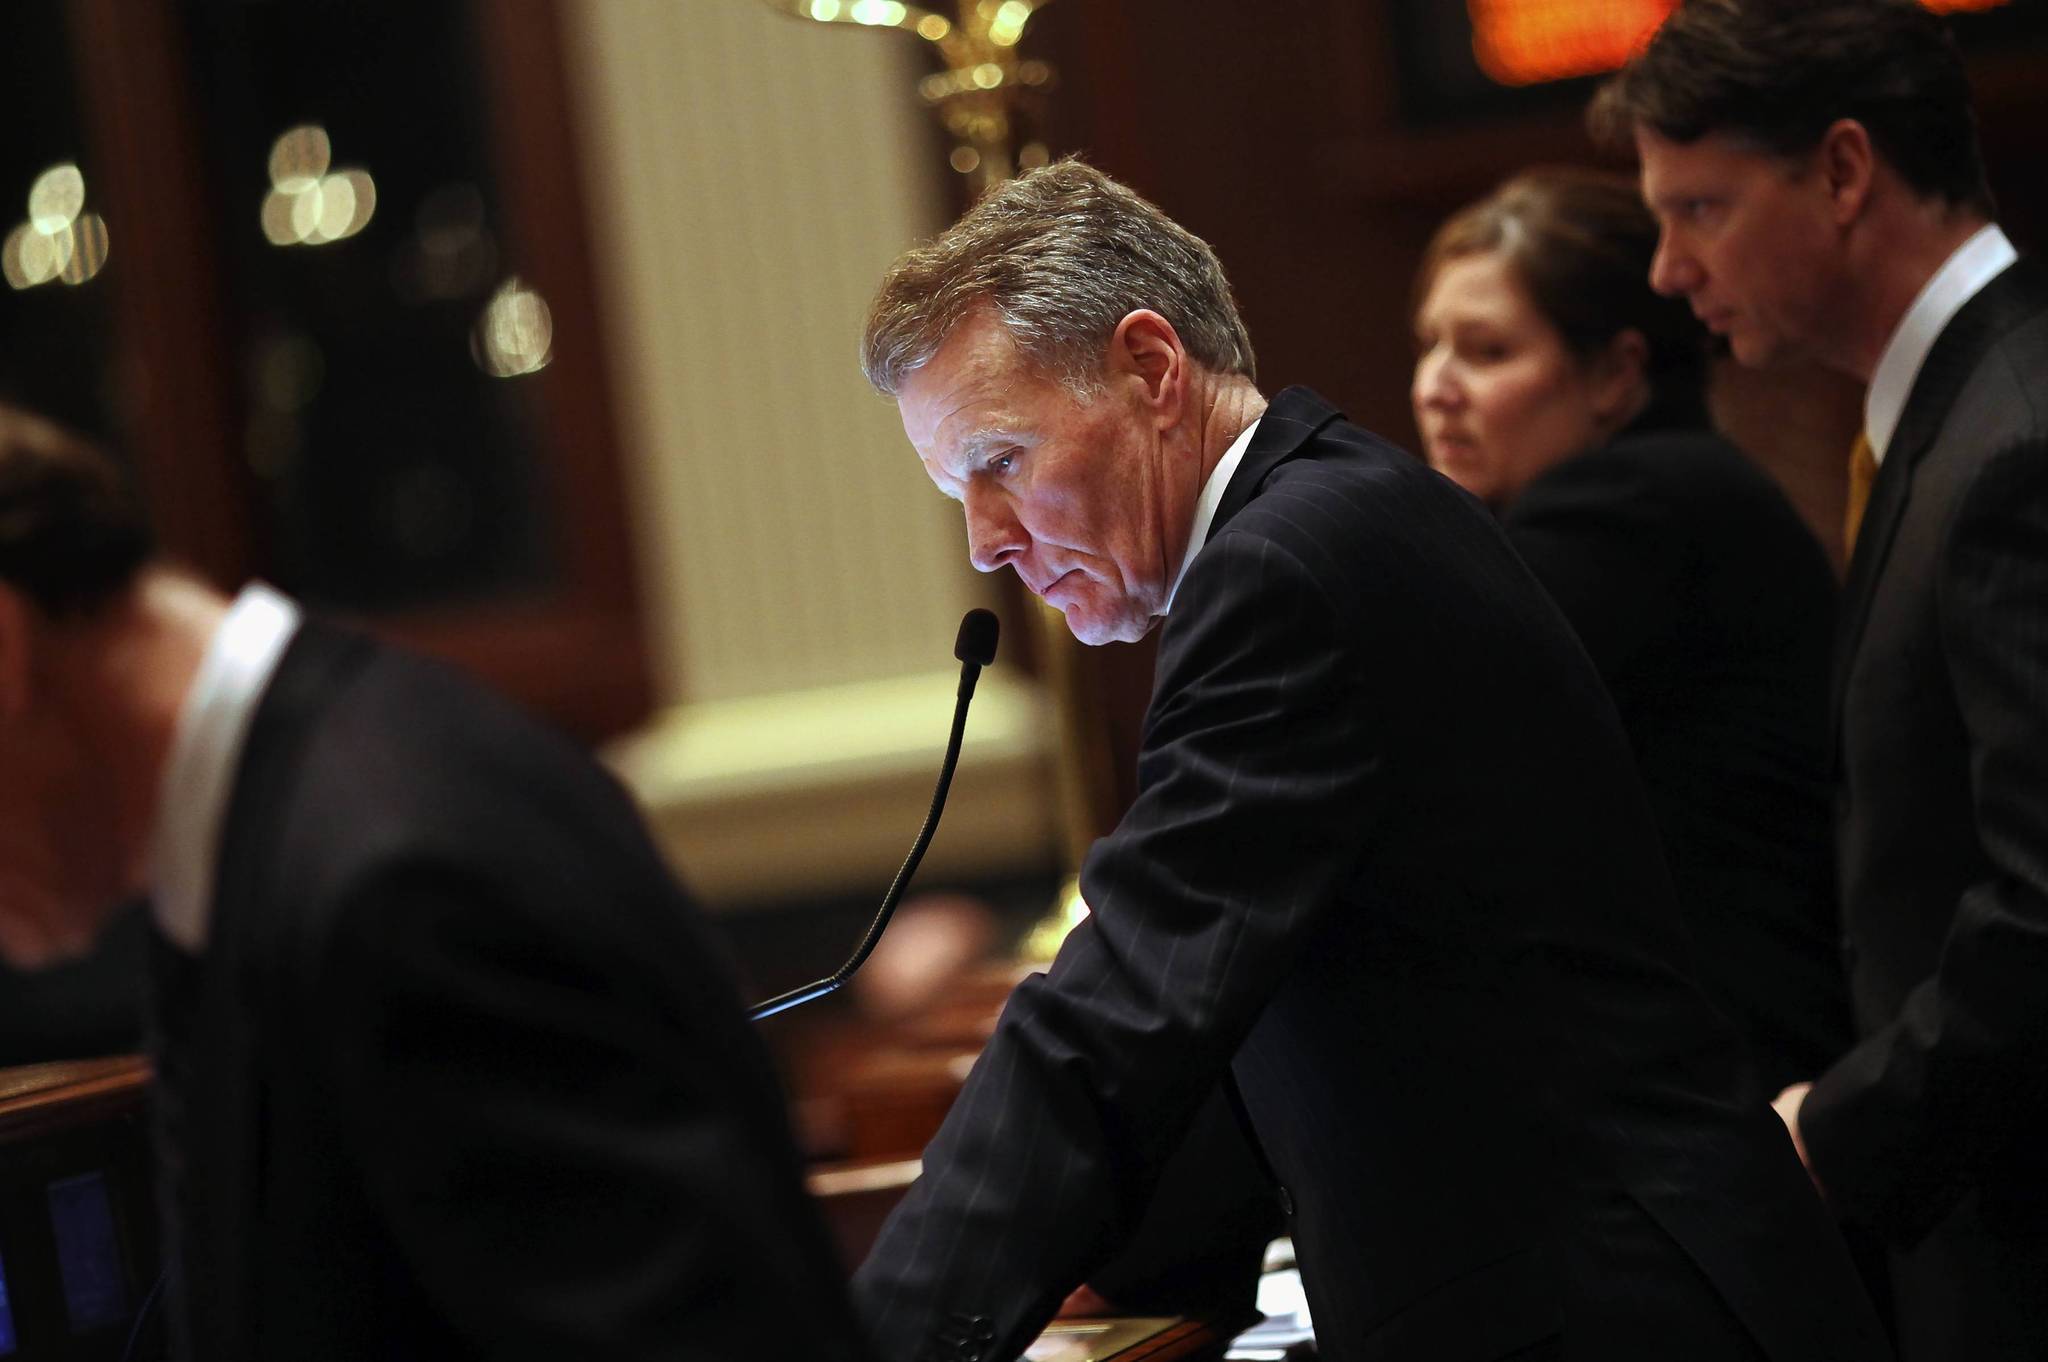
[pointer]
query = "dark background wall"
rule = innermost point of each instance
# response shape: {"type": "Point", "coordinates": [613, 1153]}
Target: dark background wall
{"type": "Point", "coordinates": [1316, 144]}
{"type": "Point", "coordinates": [1310, 143]}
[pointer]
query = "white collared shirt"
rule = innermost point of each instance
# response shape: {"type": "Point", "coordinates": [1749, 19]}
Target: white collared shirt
{"type": "Point", "coordinates": [206, 749]}
{"type": "Point", "coordinates": [1206, 504]}
{"type": "Point", "coordinates": [1975, 263]}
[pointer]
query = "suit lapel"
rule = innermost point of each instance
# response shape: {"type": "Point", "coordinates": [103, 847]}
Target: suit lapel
{"type": "Point", "coordinates": [1290, 419]}
{"type": "Point", "coordinates": [2016, 295]}
{"type": "Point", "coordinates": [223, 1121]}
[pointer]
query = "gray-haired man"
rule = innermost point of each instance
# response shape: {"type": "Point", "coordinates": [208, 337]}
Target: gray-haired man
{"type": "Point", "coordinates": [1388, 864]}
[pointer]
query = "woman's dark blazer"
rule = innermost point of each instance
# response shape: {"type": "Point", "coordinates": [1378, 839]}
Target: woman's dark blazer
{"type": "Point", "coordinates": [1709, 609]}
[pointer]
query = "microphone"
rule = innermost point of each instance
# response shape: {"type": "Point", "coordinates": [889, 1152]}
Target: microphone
{"type": "Point", "coordinates": [976, 648]}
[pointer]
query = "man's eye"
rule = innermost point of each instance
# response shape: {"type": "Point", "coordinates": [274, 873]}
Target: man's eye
{"type": "Point", "coordinates": [1002, 463]}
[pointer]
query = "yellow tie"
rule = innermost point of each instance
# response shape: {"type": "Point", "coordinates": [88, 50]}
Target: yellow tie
{"type": "Point", "coordinates": [1862, 473]}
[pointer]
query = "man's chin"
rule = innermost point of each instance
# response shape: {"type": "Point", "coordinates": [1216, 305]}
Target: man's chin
{"type": "Point", "coordinates": [1095, 630]}
{"type": "Point", "coordinates": [1752, 351]}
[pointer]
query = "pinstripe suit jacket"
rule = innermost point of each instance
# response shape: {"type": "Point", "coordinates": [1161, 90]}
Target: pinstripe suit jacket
{"type": "Point", "coordinates": [1934, 1129]}
{"type": "Point", "coordinates": [1389, 856]}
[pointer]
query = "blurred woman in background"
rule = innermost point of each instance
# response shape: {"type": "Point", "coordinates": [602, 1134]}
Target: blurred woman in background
{"type": "Point", "coordinates": [1553, 384]}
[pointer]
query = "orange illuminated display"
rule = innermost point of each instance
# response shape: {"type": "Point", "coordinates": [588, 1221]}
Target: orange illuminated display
{"type": "Point", "coordinates": [1527, 42]}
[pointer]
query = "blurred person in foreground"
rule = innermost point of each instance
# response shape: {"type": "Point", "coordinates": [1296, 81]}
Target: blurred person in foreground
{"type": "Point", "coordinates": [1815, 169]}
{"type": "Point", "coordinates": [1389, 877]}
{"type": "Point", "coordinates": [446, 1064]}
{"type": "Point", "coordinates": [1556, 386]}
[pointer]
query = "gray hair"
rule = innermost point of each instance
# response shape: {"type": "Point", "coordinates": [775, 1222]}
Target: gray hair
{"type": "Point", "coordinates": [1061, 255]}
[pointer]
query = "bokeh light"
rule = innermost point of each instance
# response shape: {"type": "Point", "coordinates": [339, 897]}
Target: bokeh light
{"type": "Point", "coordinates": [88, 249]}
{"type": "Point", "coordinates": [11, 263]}
{"type": "Point", "coordinates": [450, 252]}
{"type": "Point", "coordinates": [1008, 25]}
{"type": "Point", "coordinates": [56, 199]}
{"type": "Point", "coordinates": [881, 13]}
{"type": "Point", "coordinates": [60, 241]}
{"type": "Point", "coordinates": [307, 205]}
{"type": "Point", "coordinates": [516, 333]}
{"type": "Point", "coordinates": [299, 157]}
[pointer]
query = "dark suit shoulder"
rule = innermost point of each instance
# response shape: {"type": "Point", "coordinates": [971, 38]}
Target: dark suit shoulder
{"type": "Point", "coordinates": [429, 758]}
{"type": "Point", "coordinates": [1677, 474]}
{"type": "Point", "coordinates": [1317, 506]}
{"type": "Point", "coordinates": [2019, 352]}
{"type": "Point", "coordinates": [393, 772]}
{"type": "Point", "coordinates": [1681, 520]}
{"type": "Point", "coordinates": [1991, 435]}
{"type": "Point", "coordinates": [1363, 514]}
{"type": "Point", "coordinates": [1978, 389]}
{"type": "Point", "coordinates": [2006, 396]}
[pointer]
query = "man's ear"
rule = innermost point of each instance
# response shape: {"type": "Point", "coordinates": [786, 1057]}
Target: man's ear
{"type": "Point", "coordinates": [18, 638]}
{"type": "Point", "coordinates": [1847, 164]}
{"type": "Point", "coordinates": [1146, 346]}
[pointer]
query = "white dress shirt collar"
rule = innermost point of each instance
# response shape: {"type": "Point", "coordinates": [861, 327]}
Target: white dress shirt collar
{"type": "Point", "coordinates": [1206, 504]}
{"type": "Point", "coordinates": [1975, 263]}
{"type": "Point", "coordinates": [206, 750]}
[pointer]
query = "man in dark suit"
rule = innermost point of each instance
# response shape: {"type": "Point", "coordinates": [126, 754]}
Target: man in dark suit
{"type": "Point", "coordinates": [447, 1064]}
{"type": "Point", "coordinates": [1816, 170]}
{"type": "Point", "coordinates": [1388, 867]}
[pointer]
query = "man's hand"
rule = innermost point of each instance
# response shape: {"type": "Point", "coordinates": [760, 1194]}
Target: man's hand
{"type": "Point", "coordinates": [1787, 1105]}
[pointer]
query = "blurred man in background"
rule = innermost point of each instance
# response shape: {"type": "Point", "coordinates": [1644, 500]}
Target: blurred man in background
{"type": "Point", "coordinates": [446, 1063]}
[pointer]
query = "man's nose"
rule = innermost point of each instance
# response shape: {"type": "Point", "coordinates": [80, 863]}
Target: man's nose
{"type": "Point", "coordinates": [1673, 272]}
{"type": "Point", "coordinates": [995, 538]}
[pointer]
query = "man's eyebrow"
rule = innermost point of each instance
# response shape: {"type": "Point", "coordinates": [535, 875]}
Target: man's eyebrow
{"type": "Point", "coordinates": [976, 442]}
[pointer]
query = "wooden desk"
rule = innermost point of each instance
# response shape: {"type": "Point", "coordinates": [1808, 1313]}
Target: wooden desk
{"type": "Point", "coordinates": [857, 1198]}
{"type": "Point", "coordinates": [78, 1236]}
{"type": "Point", "coordinates": [42, 1098]}
{"type": "Point", "coordinates": [1143, 1340]}
{"type": "Point", "coordinates": [91, 1113]}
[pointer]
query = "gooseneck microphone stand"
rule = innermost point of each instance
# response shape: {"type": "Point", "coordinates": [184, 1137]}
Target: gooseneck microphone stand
{"type": "Point", "coordinates": [976, 648]}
